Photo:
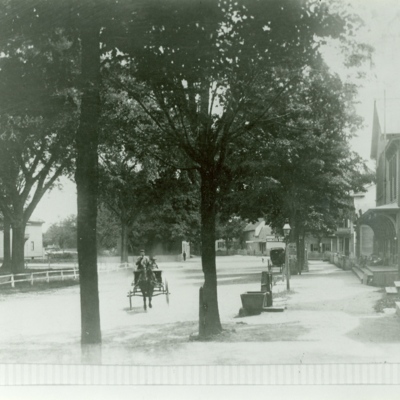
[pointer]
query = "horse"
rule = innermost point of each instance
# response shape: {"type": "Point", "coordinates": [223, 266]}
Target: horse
{"type": "Point", "coordinates": [146, 283]}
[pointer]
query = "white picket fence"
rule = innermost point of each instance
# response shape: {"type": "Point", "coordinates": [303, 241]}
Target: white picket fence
{"type": "Point", "coordinates": [56, 274]}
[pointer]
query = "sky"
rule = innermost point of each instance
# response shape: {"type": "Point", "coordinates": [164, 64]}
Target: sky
{"type": "Point", "coordinates": [381, 30]}
{"type": "Point", "coordinates": [57, 204]}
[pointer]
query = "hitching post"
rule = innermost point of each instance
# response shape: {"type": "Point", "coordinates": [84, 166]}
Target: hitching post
{"type": "Point", "coordinates": [286, 232]}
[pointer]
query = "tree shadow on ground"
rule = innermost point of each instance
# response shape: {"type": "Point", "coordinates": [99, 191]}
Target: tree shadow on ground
{"type": "Point", "coordinates": [381, 329]}
{"type": "Point", "coordinates": [170, 337]}
{"type": "Point", "coordinates": [224, 280]}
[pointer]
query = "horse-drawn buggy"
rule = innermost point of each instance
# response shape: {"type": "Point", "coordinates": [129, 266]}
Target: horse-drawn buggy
{"type": "Point", "coordinates": [277, 260]}
{"type": "Point", "coordinates": [148, 283]}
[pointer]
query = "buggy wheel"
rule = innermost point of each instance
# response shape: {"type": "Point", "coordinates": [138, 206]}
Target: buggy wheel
{"type": "Point", "coordinates": [166, 292]}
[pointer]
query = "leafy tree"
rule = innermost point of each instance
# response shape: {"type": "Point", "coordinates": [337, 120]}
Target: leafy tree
{"type": "Point", "coordinates": [62, 234]}
{"type": "Point", "coordinates": [108, 229]}
{"type": "Point", "coordinates": [37, 121]}
{"type": "Point", "coordinates": [208, 74]}
{"type": "Point", "coordinates": [230, 230]}
{"type": "Point", "coordinates": [6, 228]}
{"type": "Point", "coordinates": [149, 207]}
{"type": "Point", "coordinates": [310, 168]}
{"type": "Point", "coordinates": [153, 201]}
{"type": "Point", "coordinates": [46, 50]}
{"type": "Point", "coordinates": [124, 190]}
{"type": "Point", "coordinates": [172, 211]}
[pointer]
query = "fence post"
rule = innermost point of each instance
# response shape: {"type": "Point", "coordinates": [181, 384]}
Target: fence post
{"type": "Point", "coordinates": [31, 279]}
{"type": "Point", "coordinates": [47, 277]}
{"type": "Point", "coordinates": [62, 275]}
{"type": "Point", "coordinates": [12, 281]}
{"type": "Point", "coordinates": [74, 273]}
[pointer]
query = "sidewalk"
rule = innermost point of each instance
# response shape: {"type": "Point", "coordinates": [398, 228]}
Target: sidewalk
{"type": "Point", "coordinates": [329, 319]}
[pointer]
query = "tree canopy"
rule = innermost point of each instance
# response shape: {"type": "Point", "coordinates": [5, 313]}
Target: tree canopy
{"type": "Point", "coordinates": [217, 79]}
{"type": "Point", "coordinates": [38, 119]}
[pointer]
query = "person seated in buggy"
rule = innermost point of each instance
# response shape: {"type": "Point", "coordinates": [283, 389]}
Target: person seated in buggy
{"type": "Point", "coordinates": [145, 278]}
{"type": "Point", "coordinates": [146, 266]}
{"type": "Point", "coordinates": [153, 263]}
{"type": "Point", "coordinates": [142, 262]}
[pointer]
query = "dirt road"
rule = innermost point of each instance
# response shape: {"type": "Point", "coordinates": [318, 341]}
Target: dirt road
{"type": "Point", "coordinates": [329, 319]}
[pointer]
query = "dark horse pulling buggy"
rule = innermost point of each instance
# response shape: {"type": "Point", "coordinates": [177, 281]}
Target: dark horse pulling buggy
{"type": "Point", "coordinates": [147, 283]}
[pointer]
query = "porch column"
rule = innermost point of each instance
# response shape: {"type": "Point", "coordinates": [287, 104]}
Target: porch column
{"type": "Point", "coordinates": [398, 214]}
{"type": "Point", "coordinates": [398, 243]}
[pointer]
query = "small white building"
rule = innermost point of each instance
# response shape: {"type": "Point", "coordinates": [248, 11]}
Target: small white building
{"type": "Point", "coordinates": [33, 240]}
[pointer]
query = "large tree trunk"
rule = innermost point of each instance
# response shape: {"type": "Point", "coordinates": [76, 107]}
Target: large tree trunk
{"type": "Point", "coordinates": [211, 323]}
{"type": "Point", "coordinates": [7, 244]}
{"type": "Point", "coordinates": [87, 181]}
{"type": "Point", "coordinates": [18, 245]}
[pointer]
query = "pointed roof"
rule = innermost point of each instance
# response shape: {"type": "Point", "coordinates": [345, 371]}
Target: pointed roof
{"type": "Point", "coordinates": [259, 226]}
{"type": "Point", "coordinates": [253, 226]}
{"type": "Point", "coordinates": [387, 112]}
{"type": "Point", "coordinates": [376, 133]}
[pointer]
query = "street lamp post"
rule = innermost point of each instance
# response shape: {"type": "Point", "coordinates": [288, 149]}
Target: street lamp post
{"type": "Point", "coordinates": [286, 232]}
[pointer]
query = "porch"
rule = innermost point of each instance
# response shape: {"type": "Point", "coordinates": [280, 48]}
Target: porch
{"type": "Point", "coordinates": [373, 275]}
{"type": "Point", "coordinates": [377, 275]}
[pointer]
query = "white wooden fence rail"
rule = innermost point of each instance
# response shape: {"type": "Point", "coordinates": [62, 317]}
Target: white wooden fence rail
{"type": "Point", "coordinates": [55, 275]}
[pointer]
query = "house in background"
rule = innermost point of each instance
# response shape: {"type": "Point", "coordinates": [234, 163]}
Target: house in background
{"type": "Point", "coordinates": [260, 238]}
{"type": "Point", "coordinates": [317, 247]}
{"type": "Point", "coordinates": [33, 240]}
{"type": "Point", "coordinates": [257, 238]}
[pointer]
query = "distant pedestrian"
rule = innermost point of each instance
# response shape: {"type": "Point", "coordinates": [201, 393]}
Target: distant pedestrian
{"type": "Point", "coordinates": [184, 255]}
